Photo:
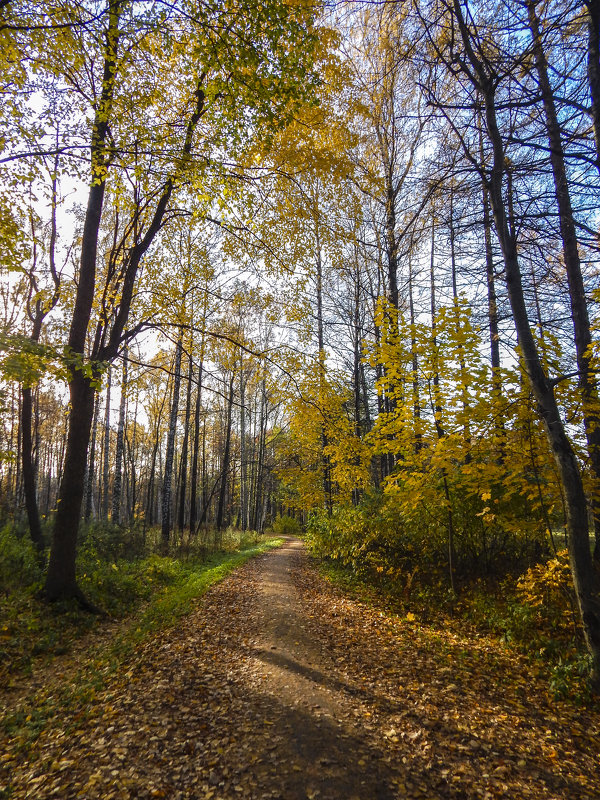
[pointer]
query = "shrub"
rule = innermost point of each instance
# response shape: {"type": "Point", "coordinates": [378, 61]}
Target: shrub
{"type": "Point", "coordinates": [548, 588]}
{"type": "Point", "coordinates": [114, 542]}
{"type": "Point", "coordinates": [19, 562]}
{"type": "Point", "coordinates": [284, 525]}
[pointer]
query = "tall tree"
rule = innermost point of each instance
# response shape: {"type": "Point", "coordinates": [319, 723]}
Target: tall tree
{"type": "Point", "coordinates": [211, 50]}
{"type": "Point", "coordinates": [462, 49]}
{"type": "Point", "coordinates": [166, 503]}
{"type": "Point", "coordinates": [119, 448]}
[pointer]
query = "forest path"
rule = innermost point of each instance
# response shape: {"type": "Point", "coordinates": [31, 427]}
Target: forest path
{"type": "Point", "coordinates": [279, 686]}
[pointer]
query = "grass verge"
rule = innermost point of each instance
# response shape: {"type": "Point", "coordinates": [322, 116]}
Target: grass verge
{"type": "Point", "coordinates": [172, 589]}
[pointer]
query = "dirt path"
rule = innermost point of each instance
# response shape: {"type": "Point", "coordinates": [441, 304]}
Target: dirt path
{"type": "Point", "coordinates": [278, 686]}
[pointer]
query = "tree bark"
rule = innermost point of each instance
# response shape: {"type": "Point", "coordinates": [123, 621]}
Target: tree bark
{"type": "Point", "coordinates": [170, 454]}
{"type": "Point", "coordinates": [118, 479]}
{"type": "Point", "coordinates": [226, 456]}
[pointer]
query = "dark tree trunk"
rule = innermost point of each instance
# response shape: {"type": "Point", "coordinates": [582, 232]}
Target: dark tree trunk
{"type": "Point", "coordinates": [391, 239]}
{"type": "Point", "coordinates": [118, 479]}
{"type": "Point", "coordinates": [170, 454]}
{"type": "Point", "coordinates": [226, 456]}
{"type": "Point", "coordinates": [579, 309]}
{"type": "Point", "coordinates": [60, 579]}
{"type": "Point", "coordinates": [593, 7]}
{"type": "Point", "coordinates": [585, 578]}
{"type": "Point", "coordinates": [29, 471]}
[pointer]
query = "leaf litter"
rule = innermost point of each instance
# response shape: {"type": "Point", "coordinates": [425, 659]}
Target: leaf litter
{"type": "Point", "coordinates": [279, 685]}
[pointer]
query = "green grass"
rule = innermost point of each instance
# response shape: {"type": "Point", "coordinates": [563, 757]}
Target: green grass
{"type": "Point", "coordinates": [148, 595]}
{"type": "Point", "coordinates": [118, 571]}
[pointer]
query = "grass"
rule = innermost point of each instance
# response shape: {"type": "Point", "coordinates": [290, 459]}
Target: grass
{"type": "Point", "coordinates": [144, 595]}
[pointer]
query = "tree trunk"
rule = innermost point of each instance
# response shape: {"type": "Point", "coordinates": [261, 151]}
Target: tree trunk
{"type": "Point", "coordinates": [59, 581]}
{"type": "Point", "coordinates": [91, 471]}
{"type": "Point", "coordinates": [106, 447]}
{"type": "Point", "coordinates": [464, 377]}
{"type": "Point", "coordinates": [29, 471]}
{"type": "Point", "coordinates": [262, 435]}
{"type": "Point", "coordinates": [195, 453]}
{"type": "Point", "coordinates": [491, 293]}
{"type": "Point", "coordinates": [437, 411]}
{"type": "Point", "coordinates": [133, 461]}
{"type": "Point", "coordinates": [325, 464]}
{"type": "Point", "coordinates": [184, 449]}
{"type": "Point", "coordinates": [243, 456]}
{"type": "Point", "coordinates": [118, 479]}
{"type": "Point", "coordinates": [226, 455]}
{"type": "Point", "coordinates": [170, 454]}
{"type": "Point", "coordinates": [414, 363]}
{"type": "Point", "coordinates": [593, 7]}
{"type": "Point", "coordinates": [579, 309]}
{"type": "Point", "coordinates": [584, 576]}
{"type": "Point", "coordinates": [60, 578]}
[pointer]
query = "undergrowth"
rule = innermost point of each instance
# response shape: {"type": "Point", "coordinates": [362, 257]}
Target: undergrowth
{"type": "Point", "coordinates": [151, 591]}
{"type": "Point", "coordinates": [119, 572]}
{"type": "Point", "coordinates": [534, 615]}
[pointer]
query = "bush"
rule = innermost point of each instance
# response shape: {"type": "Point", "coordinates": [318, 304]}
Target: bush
{"type": "Point", "coordinates": [284, 525]}
{"type": "Point", "coordinates": [548, 589]}
{"type": "Point", "coordinates": [19, 562]}
{"type": "Point", "coordinates": [114, 542]}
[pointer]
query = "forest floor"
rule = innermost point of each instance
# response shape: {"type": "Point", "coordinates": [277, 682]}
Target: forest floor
{"type": "Point", "coordinates": [279, 685]}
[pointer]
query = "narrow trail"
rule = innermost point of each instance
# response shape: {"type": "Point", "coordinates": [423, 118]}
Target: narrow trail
{"type": "Point", "coordinates": [279, 687]}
